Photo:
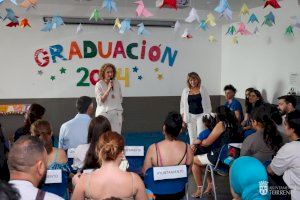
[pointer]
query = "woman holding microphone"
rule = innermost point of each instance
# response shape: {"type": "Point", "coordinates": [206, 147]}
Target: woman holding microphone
{"type": "Point", "coordinates": [109, 97]}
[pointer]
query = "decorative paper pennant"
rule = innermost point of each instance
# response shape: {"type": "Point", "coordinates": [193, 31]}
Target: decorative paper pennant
{"type": "Point", "coordinates": [28, 4]}
{"type": "Point", "coordinates": [109, 5]}
{"type": "Point", "coordinates": [256, 30]}
{"type": "Point", "coordinates": [211, 20]}
{"type": "Point", "coordinates": [272, 3]}
{"type": "Point", "coordinates": [24, 22]}
{"type": "Point", "coordinates": [231, 30]}
{"type": "Point", "coordinates": [125, 26]}
{"type": "Point", "coordinates": [141, 10]}
{"type": "Point", "coordinates": [269, 19]}
{"type": "Point", "coordinates": [244, 9]}
{"type": "Point", "coordinates": [57, 21]}
{"type": "Point", "coordinates": [224, 9]}
{"type": "Point", "coordinates": [289, 31]}
{"type": "Point", "coordinates": [117, 23]}
{"type": "Point", "coordinates": [142, 30]}
{"type": "Point", "coordinates": [12, 24]}
{"type": "Point", "coordinates": [48, 26]}
{"type": "Point", "coordinates": [235, 40]}
{"type": "Point", "coordinates": [212, 38]}
{"type": "Point", "coordinates": [253, 19]}
{"type": "Point", "coordinates": [186, 34]}
{"type": "Point", "coordinates": [242, 30]}
{"type": "Point", "coordinates": [95, 15]}
{"type": "Point", "coordinates": [203, 25]}
{"type": "Point", "coordinates": [79, 29]}
{"type": "Point", "coordinates": [167, 3]}
{"type": "Point", "coordinates": [10, 15]}
{"type": "Point", "coordinates": [193, 15]}
{"type": "Point", "coordinates": [177, 26]}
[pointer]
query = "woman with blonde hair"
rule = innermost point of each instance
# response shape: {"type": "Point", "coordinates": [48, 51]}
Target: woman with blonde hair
{"type": "Point", "coordinates": [109, 180]}
{"type": "Point", "coordinates": [109, 97]}
{"type": "Point", "coordinates": [194, 103]}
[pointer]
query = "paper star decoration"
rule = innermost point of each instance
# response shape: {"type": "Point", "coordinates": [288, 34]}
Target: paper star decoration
{"type": "Point", "coordinates": [140, 77]}
{"type": "Point", "coordinates": [24, 22]}
{"type": "Point", "coordinates": [253, 19]}
{"type": "Point", "coordinates": [224, 9]}
{"type": "Point", "coordinates": [193, 15]}
{"type": "Point", "coordinates": [168, 3]}
{"type": "Point", "coordinates": [244, 9]}
{"type": "Point", "coordinates": [52, 78]}
{"type": "Point", "coordinates": [141, 10]}
{"type": "Point", "coordinates": [212, 39]}
{"type": "Point", "coordinates": [10, 15]}
{"type": "Point", "coordinates": [186, 34]}
{"type": "Point", "coordinates": [95, 15]}
{"type": "Point", "coordinates": [117, 23]}
{"type": "Point", "coordinates": [40, 72]}
{"type": "Point", "coordinates": [156, 69]}
{"type": "Point", "coordinates": [255, 30]}
{"type": "Point", "coordinates": [203, 25]}
{"type": "Point", "coordinates": [79, 29]}
{"type": "Point", "coordinates": [211, 20]}
{"type": "Point", "coordinates": [242, 30]}
{"type": "Point", "coordinates": [272, 3]}
{"type": "Point", "coordinates": [160, 77]}
{"type": "Point", "coordinates": [269, 19]}
{"type": "Point", "coordinates": [63, 70]}
{"type": "Point", "coordinates": [231, 30]}
{"type": "Point", "coordinates": [235, 40]}
{"type": "Point", "coordinates": [28, 4]}
{"type": "Point", "coordinates": [109, 5]}
{"type": "Point", "coordinates": [177, 26]}
{"type": "Point", "coordinates": [125, 26]}
{"type": "Point", "coordinates": [296, 21]}
{"type": "Point", "coordinates": [289, 31]}
{"type": "Point", "coordinates": [135, 69]}
{"type": "Point", "coordinates": [142, 30]}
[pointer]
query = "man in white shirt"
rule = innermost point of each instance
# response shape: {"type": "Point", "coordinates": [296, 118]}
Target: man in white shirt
{"type": "Point", "coordinates": [27, 162]}
{"type": "Point", "coordinates": [74, 132]}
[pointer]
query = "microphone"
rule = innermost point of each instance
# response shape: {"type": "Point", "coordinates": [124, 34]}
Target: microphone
{"type": "Point", "coordinates": [111, 82]}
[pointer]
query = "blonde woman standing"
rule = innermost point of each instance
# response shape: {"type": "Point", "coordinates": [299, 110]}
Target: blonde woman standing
{"type": "Point", "coordinates": [194, 103]}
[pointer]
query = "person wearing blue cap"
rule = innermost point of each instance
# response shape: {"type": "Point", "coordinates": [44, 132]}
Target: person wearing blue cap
{"type": "Point", "coordinates": [252, 185]}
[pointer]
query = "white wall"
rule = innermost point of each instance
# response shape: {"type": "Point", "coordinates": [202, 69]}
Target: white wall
{"type": "Point", "coordinates": [19, 79]}
{"type": "Point", "coordinates": [263, 61]}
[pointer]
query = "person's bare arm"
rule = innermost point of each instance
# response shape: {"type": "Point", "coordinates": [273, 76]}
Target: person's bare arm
{"type": "Point", "coordinates": [148, 159]}
{"type": "Point", "coordinates": [215, 134]}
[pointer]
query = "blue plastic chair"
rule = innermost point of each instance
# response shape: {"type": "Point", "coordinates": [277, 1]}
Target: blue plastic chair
{"type": "Point", "coordinates": [215, 168]}
{"type": "Point", "coordinates": [164, 187]}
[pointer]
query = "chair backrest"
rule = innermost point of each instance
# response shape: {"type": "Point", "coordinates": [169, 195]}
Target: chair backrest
{"type": "Point", "coordinates": [166, 186]}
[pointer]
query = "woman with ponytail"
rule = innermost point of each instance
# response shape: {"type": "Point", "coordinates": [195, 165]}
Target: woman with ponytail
{"type": "Point", "coordinates": [109, 180]}
{"type": "Point", "coordinates": [266, 141]}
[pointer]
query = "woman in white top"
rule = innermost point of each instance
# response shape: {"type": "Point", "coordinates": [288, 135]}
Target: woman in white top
{"type": "Point", "coordinates": [109, 97]}
{"type": "Point", "coordinates": [194, 103]}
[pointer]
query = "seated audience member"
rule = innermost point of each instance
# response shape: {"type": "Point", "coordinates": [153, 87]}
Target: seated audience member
{"type": "Point", "coordinates": [265, 142]}
{"type": "Point", "coordinates": [248, 179]}
{"type": "Point", "coordinates": [248, 107]}
{"type": "Point", "coordinates": [57, 158]}
{"type": "Point", "coordinates": [287, 160]}
{"type": "Point", "coordinates": [27, 162]}
{"type": "Point", "coordinates": [4, 175]}
{"type": "Point", "coordinates": [74, 132]}
{"type": "Point", "coordinates": [232, 103]}
{"type": "Point", "coordinates": [209, 121]}
{"type": "Point", "coordinates": [255, 101]}
{"type": "Point", "coordinates": [85, 154]}
{"type": "Point", "coordinates": [222, 134]}
{"type": "Point", "coordinates": [170, 151]}
{"type": "Point", "coordinates": [109, 180]}
{"type": "Point", "coordinates": [8, 192]}
{"type": "Point", "coordinates": [35, 112]}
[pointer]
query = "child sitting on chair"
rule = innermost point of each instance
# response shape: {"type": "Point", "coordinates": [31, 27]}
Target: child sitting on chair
{"type": "Point", "coordinates": [209, 121]}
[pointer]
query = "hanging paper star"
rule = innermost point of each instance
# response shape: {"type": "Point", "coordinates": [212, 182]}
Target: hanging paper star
{"type": "Point", "coordinates": [48, 26]}
{"type": "Point", "coordinates": [160, 76]}
{"type": "Point", "coordinates": [255, 30]}
{"type": "Point", "coordinates": [125, 26]}
{"type": "Point", "coordinates": [142, 30]}
{"type": "Point", "coordinates": [244, 10]}
{"type": "Point", "coordinates": [24, 22]}
{"type": "Point", "coordinates": [57, 21]}
{"type": "Point", "coordinates": [235, 40]}
{"type": "Point", "coordinates": [272, 3]}
{"type": "Point", "coordinates": [141, 10]}
{"type": "Point", "coordinates": [289, 31]}
{"type": "Point", "coordinates": [135, 69]}
{"type": "Point", "coordinates": [63, 70]}
{"type": "Point", "coordinates": [193, 15]}
{"type": "Point", "coordinates": [79, 29]}
{"type": "Point", "coordinates": [28, 4]}
{"type": "Point", "coordinates": [242, 30]}
{"type": "Point", "coordinates": [168, 3]}
{"type": "Point", "coordinates": [211, 20]}
{"type": "Point", "coordinates": [253, 19]}
{"type": "Point", "coordinates": [203, 25]}
{"type": "Point", "coordinates": [156, 69]}
{"type": "Point", "coordinates": [95, 15]}
{"type": "Point", "coordinates": [212, 39]}
{"type": "Point", "coordinates": [231, 30]}
{"type": "Point", "coordinates": [12, 24]}
{"type": "Point", "coordinates": [140, 77]}
{"type": "Point", "coordinates": [40, 72]}
{"type": "Point", "coordinates": [177, 26]}
{"type": "Point", "coordinates": [269, 19]}
{"type": "Point", "coordinates": [52, 78]}
{"type": "Point", "coordinates": [109, 5]}
{"type": "Point", "coordinates": [10, 15]}
{"type": "Point", "coordinates": [186, 34]}
{"type": "Point", "coordinates": [117, 23]}
{"type": "Point", "coordinates": [224, 9]}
